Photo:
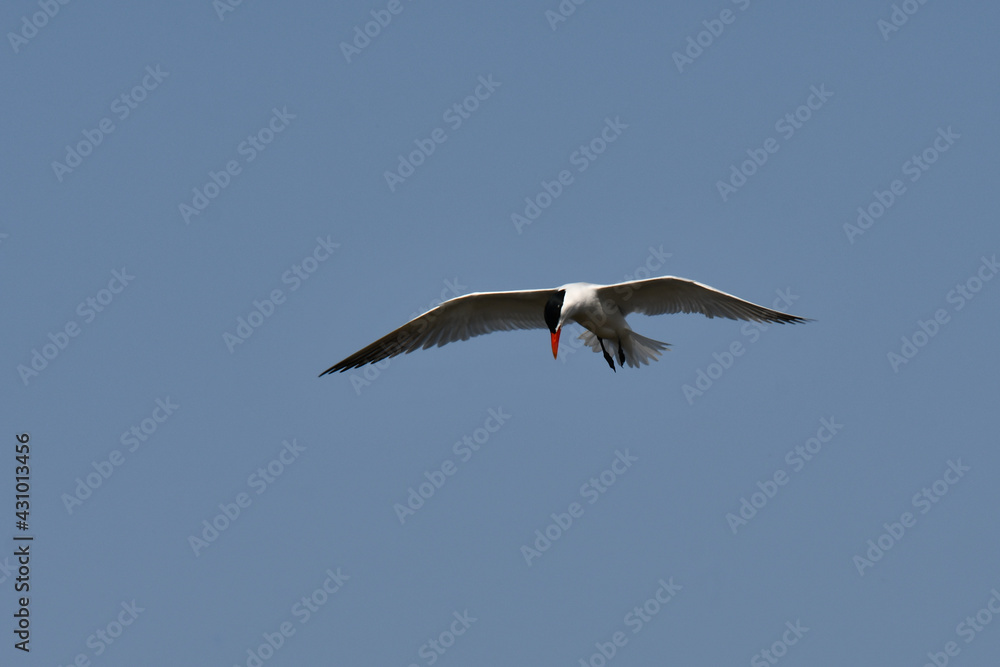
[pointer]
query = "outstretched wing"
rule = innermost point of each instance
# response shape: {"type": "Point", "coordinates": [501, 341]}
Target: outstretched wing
{"type": "Point", "coordinates": [658, 296]}
{"type": "Point", "coordinates": [460, 318]}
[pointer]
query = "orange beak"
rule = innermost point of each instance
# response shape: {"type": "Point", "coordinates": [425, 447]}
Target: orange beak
{"type": "Point", "coordinates": [555, 343]}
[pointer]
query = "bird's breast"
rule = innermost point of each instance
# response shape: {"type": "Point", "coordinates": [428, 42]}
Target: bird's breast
{"type": "Point", "coordinates": [583, 306]}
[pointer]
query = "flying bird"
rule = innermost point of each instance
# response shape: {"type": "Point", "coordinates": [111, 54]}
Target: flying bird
{"type": "Point", "coordinates": [600, 309]}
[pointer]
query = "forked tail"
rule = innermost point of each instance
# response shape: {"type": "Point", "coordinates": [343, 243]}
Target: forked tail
{"type": "Point", "coordinates": [638, 349]}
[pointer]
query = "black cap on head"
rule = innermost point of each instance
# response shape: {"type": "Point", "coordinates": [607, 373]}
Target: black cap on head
{"type": "Point", "coordinates": [553, 307]}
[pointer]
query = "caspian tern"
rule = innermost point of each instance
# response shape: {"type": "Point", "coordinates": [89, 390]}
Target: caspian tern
{"type": "Point", "coordinates": [600, 309]}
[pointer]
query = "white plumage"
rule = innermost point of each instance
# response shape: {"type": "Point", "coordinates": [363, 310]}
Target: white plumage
{"type": "Point", "coordinates": [600, 309]}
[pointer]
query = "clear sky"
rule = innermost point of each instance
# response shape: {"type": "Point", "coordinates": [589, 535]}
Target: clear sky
{"type": "Point", "coordinates": [207, 204]}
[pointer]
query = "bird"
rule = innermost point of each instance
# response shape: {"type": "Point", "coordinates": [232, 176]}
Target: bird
{"type": "Point", "coordinates": [600, 309]}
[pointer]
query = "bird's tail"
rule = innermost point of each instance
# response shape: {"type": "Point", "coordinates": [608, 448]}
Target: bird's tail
{"type": "Point", "coordinates": [639, 350]}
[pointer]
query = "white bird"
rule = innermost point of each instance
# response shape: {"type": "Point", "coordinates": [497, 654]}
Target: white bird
{"type": "Point", "coordinates": [600, 309]}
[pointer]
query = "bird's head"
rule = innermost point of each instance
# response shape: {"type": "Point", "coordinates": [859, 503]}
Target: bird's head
{"type": "Point", "coordinates": [553, 317]}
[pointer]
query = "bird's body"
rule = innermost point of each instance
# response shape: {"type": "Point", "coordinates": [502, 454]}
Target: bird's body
{"type": "Point", "coordinates": [582, 305]}
{"type": "Point", "coordinates": [600, 309]}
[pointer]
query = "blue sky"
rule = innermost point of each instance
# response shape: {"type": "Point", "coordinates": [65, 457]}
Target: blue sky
{"type": "Point", "coordinates": [206, 205]}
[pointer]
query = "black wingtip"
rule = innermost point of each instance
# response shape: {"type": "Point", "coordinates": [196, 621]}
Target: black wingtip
{"type": "Point", "coordinates": [785, 318]}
